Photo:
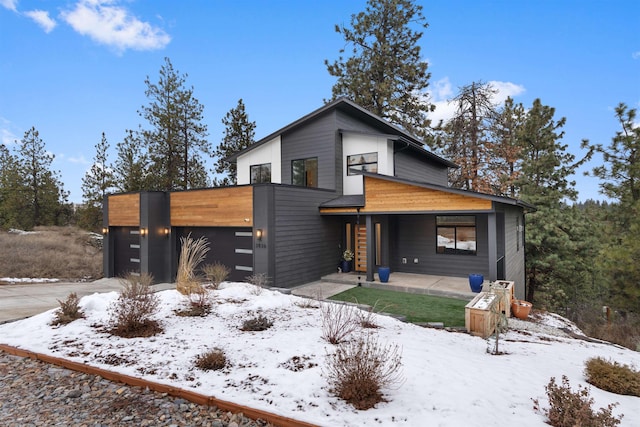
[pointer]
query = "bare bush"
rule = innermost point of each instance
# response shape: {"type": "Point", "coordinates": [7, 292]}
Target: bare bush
{"type": "Point", "coordinates": [192, 253]}
{"type": "Point", "coordinates": [570, 409]}
{"type": "Point", "coordinates": [212, 360]}
{"type": "Point", "coordinates": [338, 322]}
{"type": "Point", "coordinates": [198, 303]}
{"type": "Point", "coordinates": [259, 280]}
{"type": "Point", "coordinates": [132, 312]}
{"type": "Point", "coordinates": [258, 323]}
{"type": "Point", "coordinates": [359, 370]}
{"type": "Point", "coordinates": [216, 273]}
{"type": "Point", "coordinates": [69, 310]}
{"type": "Point", "coordinates": [612, 376]}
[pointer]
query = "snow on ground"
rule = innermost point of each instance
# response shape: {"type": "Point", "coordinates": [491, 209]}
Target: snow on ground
{"type": "Point", "coordinates": [450, 379]}
{"type": "Point", "coordinates": [13, 280]}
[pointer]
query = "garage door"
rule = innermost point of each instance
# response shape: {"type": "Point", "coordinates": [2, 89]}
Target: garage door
{"type": "Point", "coordinates": [127, 250]}
{"type": "Point", "coordinates": [231, 246]}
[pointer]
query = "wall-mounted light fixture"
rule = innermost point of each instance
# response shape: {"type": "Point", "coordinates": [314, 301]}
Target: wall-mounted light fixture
{"type": "Point", "coordinates": [105, 230]}
{"type": "Point", "coordinates": [143, 232]}
{"type": "Point", "coordinates": [166, 231]}
{"type": "Point", "coordinates": [259, 233]}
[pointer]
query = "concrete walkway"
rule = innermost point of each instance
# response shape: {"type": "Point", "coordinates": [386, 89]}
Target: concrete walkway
{"type": "Point", "coordinates": [25, 300]}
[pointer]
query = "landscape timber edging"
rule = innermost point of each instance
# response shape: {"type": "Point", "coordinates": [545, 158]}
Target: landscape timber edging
{"type": "Point", "coordinates": [189, 395]}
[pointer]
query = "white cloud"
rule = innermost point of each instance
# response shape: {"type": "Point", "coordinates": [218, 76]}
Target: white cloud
{"type": "Point", "coordinates": [443, 93]}
{"type": "Point", "coordinates": [7, 137]}
{"type": "Point", "coordinates": [81, 160]}
{"type": "Point", "coordinates": [636, 55]}
{"type": "Point", "coordinates": [112, 25]}
{"type": "Point", "coordinates": [10, 4]}
{"type": "Point", "coordinates": [41, 17]}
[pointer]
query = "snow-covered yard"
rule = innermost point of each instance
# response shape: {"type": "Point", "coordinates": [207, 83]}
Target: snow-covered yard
{"type": "Point", "coordinates": [450, 379]}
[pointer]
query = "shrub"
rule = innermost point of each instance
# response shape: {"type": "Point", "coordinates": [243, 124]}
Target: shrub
{"type": "Point", "coordinates": [259, 323]}
{"type": "Point", "coordinates": [570, 409]}
{"type": "Point", "coordinates": [69, 310]}
{"type": "Point", "coordinates": [212, 360]}
{"type": "Point", "coordinates": [338, 321]}
{"type": "Point", "coordinates": [131, 314]}
{"type": "Point", "coordinates": [612, 376]}
{"type": "Point", "coordinates": [359, 370]}
{"type": "Point", "coordinates": [198, 303]}
{"type": "Point", "coordinates": [259, 280]}
{"type": "Point", "coordinates": [216, 273]}
{"type": "Point", "coordinates": [192, 253]}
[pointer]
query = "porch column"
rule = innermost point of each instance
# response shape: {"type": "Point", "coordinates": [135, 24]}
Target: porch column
{"type": "Point", "coordinates": [371, 262]}
{"type": "Point", "coordinates": [492, 246]}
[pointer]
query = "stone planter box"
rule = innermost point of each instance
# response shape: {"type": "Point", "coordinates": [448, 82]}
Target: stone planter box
{"type": "Point", "coordinates": [506, 291]}
{"type": "Point", "coordinates": [479, 316]}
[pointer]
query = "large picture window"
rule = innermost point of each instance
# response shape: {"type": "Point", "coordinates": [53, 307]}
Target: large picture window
{"type": "Point", "coordinates": [367, 162]}
{"type": "Point", "coordinates": [304, 172]}
{"type": "Point", "coordinates": [456, 234]}
{"type": "Point", "coordinates": [261, 173]}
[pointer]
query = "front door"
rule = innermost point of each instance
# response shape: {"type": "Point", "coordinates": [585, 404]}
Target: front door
{"type": "Point", "coordinates": [360, 259]}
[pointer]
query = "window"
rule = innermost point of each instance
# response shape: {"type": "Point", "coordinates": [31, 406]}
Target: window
{"type": "Point", "coordinates": [261, 173]}
{"type": "Point", "coordinates": [304, 172]}
{"type": "Point", "coordinates": [456, 235]}
{"type": "Point", "coordinates": [367, 162]}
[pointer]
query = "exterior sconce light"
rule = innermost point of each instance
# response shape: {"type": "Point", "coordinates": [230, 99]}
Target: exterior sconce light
{"type": "Point", "coordinates": [105, 230]}
{"type": "Point", "coordinates": [259, 233]}
{"type": "Point", "coordinates": [143, 232]}
{"type": "Point", "coordinates": [166, 231]}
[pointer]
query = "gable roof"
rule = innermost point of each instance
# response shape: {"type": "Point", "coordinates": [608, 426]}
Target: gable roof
{"type": "Point", "coordinates": [343, 104]}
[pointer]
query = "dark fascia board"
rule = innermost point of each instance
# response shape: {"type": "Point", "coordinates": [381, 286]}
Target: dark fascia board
{"type": "Point", "coordinates": [353, 108]}
{"type": "Point", "coordinates": [493, 198]}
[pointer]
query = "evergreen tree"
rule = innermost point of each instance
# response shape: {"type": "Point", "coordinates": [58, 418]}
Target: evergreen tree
{"type": "Point", "coordinates": [544, 182]}
{"type": "Point", "coordinates": [176, 140]}
{"type": "Point", "coordinates": [11, 188]}
{"type": "Point", "coordinates": [44, 196]}
{"type": "Point", "coordinates": [96, 183]}
{"type": "Point", "coordinates": [466, 139]}
{"type": "Point", "coordinates": [505, 148]}
{"type": "Point", "coordinates": [131, 166]}
{"type": "Point", "coordinates": [386, 73]}
{"type": "Point", "coordinates": [239, 133]}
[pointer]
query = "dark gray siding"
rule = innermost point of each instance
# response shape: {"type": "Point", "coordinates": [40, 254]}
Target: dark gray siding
{"type": "Point", "coordinates": [414, 236]}
{"type": "Point", "coordinates": [407, 166]}
{"type": "Point", "coordinates": [316, 139]}
{"type": "Point", "coordinates": [306, 245]}
{"type": "Point", "coordinates": [155, 248]}
{"type": "Point", "coordinates": [514, 255]}
{"type": "Point", "coordinates": [346, 122]}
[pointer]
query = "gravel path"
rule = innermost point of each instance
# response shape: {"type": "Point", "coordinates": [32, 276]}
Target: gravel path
{"type": "Point", "coordinates": [33, 393]}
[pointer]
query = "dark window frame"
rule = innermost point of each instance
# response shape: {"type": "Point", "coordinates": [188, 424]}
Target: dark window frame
{"type": "Point", "coordinates": [304, 172]}
{"type": "Point", "coordinates": [459, 227]}
{"type": "Point", "coordinates": [263, 178]}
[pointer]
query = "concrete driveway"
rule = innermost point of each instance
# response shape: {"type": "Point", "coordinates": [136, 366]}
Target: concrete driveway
{"type": "Point", "coordinates": [25, 300]}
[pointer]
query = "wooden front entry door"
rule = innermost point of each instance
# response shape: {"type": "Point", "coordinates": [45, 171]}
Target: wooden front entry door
{"type": "Point", "coordinates": [360, 259]}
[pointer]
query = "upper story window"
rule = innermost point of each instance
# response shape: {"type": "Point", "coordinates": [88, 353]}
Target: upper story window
{"type": "Point", "coordinates": [261, 173]}
{"type": "Point", "coordinates": [456, 234]}
{"type": "Point", "coordinates": [304, 172]}
{"type": "Point", "coordinates": [367, 162]}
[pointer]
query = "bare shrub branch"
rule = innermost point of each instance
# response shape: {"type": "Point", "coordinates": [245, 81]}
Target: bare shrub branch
{"type": "Point", "coordinates": [338, 322]}
{"type": "Point", "coordinates": [259, 280]}
{"type": "Point", "coordinates": [69, 310]}
{"type": "Point", "coordinates": [359, 370]}
{"type": "Point", "coordinates": [131, 314]}
{"type": "Point", "coordinates": [212, 360]}
{"type": "Point", "coordinates": [216, 273]}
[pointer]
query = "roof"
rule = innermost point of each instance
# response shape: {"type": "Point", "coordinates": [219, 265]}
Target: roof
{"type": "Point", "coordinates": [392, 131]}
{"type": "Point", "coordinates": [355, 202]}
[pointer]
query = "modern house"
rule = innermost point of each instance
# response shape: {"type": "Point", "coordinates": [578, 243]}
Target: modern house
{"type": "Point", "coordinates": [338, 178]}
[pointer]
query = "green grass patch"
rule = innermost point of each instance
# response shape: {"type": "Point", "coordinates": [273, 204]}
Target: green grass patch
{"type": "Point", "coordinates": [416, 307]}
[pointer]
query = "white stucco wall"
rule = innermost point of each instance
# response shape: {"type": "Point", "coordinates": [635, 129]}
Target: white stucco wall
{"type": "Point", "coordinates": [269, 152]}
{"type": "Point", "coordinates": [359, 144]}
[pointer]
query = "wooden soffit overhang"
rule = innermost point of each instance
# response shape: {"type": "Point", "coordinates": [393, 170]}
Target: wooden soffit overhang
{"type": "Point", "coordinates": [389, 195]}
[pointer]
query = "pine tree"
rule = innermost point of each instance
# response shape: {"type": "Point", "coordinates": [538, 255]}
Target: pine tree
{"type": "Point", "coordinates": [386, 73]}
{"type": "Point", "coordinates": [176, 140]}
{"type": "Point", "coordinates": [96, 183]}
{"type": "Point", "coordinates": [131, 166]}
{"type": "Point", "coordinates": [239, 133]}
{"type": "Point", "coordinates": [11, 188]}
{"type": "Point", "coordinates": [466, 139]}
{"type": "Point", "coordinates": [505, 148]}
{"type": "Point", "coordinates": [44, 195]}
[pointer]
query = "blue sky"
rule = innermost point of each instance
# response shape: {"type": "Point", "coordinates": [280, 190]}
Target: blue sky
{"type": "Point", "coordinates": [76, 68]}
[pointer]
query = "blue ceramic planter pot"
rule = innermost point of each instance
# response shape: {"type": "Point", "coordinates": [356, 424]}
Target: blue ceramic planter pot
{"type": "Point", "coordinates": [383, 274]}
{"type": "Point", "coordinates": [345, 266]}
{"type": "Point", "coordinates": [476, 281]}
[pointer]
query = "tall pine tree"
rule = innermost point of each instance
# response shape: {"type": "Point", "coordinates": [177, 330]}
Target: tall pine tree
{"type": "Point", "coordinates": [385, 72]}
{"type": "Point", "coordinates": [131, 164]}
{"type": "Point", "coordinates": [239, 133]}
{"type": "Point", "coordinates": [96, 183]}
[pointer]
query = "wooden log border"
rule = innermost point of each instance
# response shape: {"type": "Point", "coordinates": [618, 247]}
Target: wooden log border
{"type": "Point", "coordinates": [189, 395]}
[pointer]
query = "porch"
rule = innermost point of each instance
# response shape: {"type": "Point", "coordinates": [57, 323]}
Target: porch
{"type": "Point", "coordinates": [444, 286]}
